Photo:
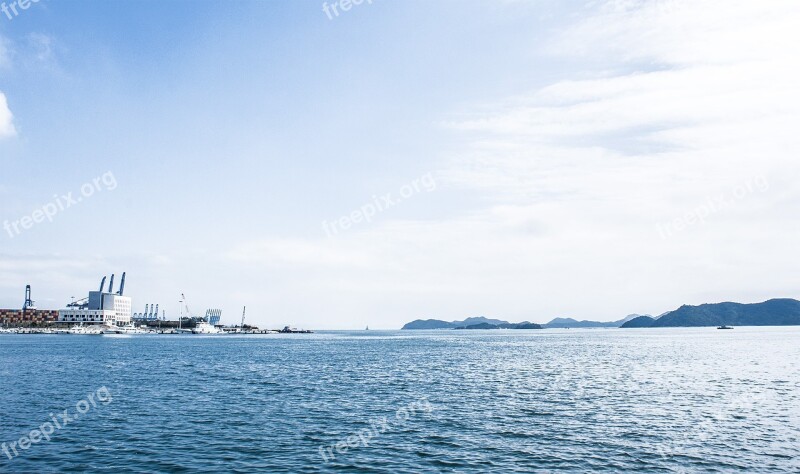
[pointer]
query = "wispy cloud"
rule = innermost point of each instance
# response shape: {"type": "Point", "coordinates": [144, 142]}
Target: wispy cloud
{"type": "Point", "coordinates": [41, 47]}
{"type": "Point", "coordinates": [676, 102]}
{"type": "Point", "coordinates": [5, 53]}
{"type": "Point", "coordinates": [693, 88]}
{"type": "Point", "coordinates": [59, 271]}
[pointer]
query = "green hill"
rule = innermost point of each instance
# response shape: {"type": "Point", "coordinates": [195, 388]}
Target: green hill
{"type": "Point", "coordinates": [776, 312]}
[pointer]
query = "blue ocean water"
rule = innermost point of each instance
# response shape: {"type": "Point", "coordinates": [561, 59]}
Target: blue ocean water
{"type": "Point", "coordinates": [649, 400]}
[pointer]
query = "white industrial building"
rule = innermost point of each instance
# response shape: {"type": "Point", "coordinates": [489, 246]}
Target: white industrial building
{"type": "Point", "coordinates": [101, 307]}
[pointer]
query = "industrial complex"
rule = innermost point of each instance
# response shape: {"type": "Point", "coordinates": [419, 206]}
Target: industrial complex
{"type": "Point", "coordinates": [100, 307]}
{"type": "Point", "coordinates": [106, 311]}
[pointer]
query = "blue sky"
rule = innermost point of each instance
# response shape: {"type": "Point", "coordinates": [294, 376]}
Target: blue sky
{"type": "Point", "coordinates": [565, 140]}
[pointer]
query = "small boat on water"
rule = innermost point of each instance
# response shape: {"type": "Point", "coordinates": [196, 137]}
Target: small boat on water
{"type": "Point", "coordinates": [203, 327]}
{"type": "Point", "coordinates": [85, 330]}
{"type": "Point", "coordinates": [130, 328]}
{"type": "Point", "coordinates": [111, 330]}
{"type": "Point", "coordinates": [724, 327]}
{"type": "Point", "coordinates": [290, 330]}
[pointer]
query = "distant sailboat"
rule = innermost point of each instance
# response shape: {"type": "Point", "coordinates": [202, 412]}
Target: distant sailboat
{"type": "Point", "coordinates": [367, 328]}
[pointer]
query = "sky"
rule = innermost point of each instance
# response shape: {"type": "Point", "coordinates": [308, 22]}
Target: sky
{"type": "Point", "coordinates": [400, 160]}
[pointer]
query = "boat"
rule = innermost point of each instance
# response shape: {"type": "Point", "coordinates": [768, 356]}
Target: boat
{"type": "Point", "coordinates": [85, 330]}
{"type": "Point", "coordinates": [724, 327]}
{"type": "Point", "coordinates": [203, 327]}
{"type": "Point", "coordinates": [130, 328]}
{"type": "Point", "coordinates": [290, 330]}
{"type": "Point", "coordinates": [110, 330]}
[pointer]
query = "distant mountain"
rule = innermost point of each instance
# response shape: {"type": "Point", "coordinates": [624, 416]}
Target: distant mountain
{"type": "Point", "coordinates": [776, 312]}
{"type": "Point", "coordinates": [479, 320]}
{"type": "Point", "coordinates": [469, 323]}
{"type": "Point", "coordinates": [429, 324]}
{"type": "Point", "coordinates": [562, 323]}
{"type": "Point", "coordinates": [639, 322]}
{"type": "Point", "coordinates": [523, 325]}
{"type": "Point", "coordinates": [631, 317]}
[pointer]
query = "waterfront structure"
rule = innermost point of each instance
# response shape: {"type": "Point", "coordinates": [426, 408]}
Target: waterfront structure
{"type": "Point", "coordinates": [213, 316]}
{"type": "Point", "coordinates": [28, 315]}
{"type": "Point", "coordinates": [100, 307]}
{"type": "Point", "coordinates": [151, 313]}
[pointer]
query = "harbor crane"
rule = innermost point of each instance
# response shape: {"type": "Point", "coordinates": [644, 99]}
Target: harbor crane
{"type": "Point", "coordinates": [183, 300]}
{"type": "Point", "coordinates": [29, 304]}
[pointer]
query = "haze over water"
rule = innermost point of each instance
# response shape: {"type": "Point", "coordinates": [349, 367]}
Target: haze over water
{"type": "Point", "coordinates": [652, 400]}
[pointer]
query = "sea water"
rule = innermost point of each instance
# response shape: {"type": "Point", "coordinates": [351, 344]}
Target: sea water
{"type": "Point", "coordinates": [649, 400]}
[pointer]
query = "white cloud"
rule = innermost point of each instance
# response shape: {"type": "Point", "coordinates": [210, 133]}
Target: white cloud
{"type": "Point", "coordinates": [6, 119]}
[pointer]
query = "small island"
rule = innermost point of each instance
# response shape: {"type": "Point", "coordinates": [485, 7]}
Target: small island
{"type": "Point", "coordinates": [470, 323]}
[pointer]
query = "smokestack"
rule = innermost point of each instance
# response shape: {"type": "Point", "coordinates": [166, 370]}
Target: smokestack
{"type": "Point", "coordinates": [122, 284]}
{"type": "Point", "coordinates": [111, 284]}
{"type": "Point", "coordinates": [102, 284]}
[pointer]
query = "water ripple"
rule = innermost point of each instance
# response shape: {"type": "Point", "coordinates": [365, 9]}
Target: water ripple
{"type": "Point", "coordinates": [669, 400]}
